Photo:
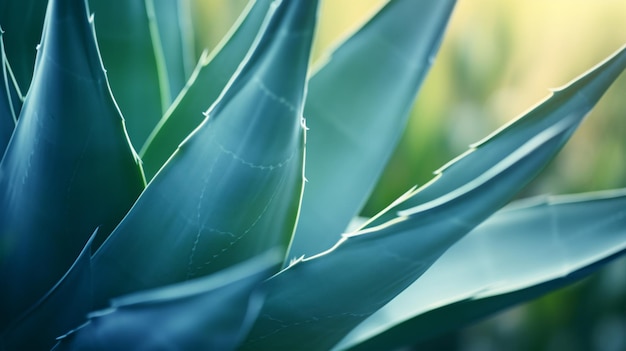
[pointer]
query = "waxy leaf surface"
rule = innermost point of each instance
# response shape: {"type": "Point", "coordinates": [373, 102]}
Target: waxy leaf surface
{"type": "Point", "coordinates": [69, 167]}
{"type": "Point", "coordinates": [232, 189]}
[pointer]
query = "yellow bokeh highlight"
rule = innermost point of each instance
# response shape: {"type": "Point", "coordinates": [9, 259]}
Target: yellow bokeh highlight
{"type": "Point", "coordinates": [498, 59]}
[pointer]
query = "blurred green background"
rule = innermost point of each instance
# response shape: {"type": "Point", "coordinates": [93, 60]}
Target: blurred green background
{"type": "Point", "coordinates": [498, 59]}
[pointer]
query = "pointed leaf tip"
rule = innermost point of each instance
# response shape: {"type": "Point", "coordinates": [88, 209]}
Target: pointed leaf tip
{"type": "Point", "coordinates": [233, 188]}
{"type": "Point", "coordinates": [211, 75]}
{"type": "Point", "coordinates": [357, 107]}
{"type": "Point", "coordinates": [53, 191]}
{"type": "Point", "coordinates": [593, 83]}
{"type": "Point", "coordinates": [396, 248]}
{"type": "Point", "coordinates": [564, 110]}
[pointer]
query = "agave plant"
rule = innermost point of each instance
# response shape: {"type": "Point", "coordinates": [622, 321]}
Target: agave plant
{"type": "Point", "coordinates": [255, 171]}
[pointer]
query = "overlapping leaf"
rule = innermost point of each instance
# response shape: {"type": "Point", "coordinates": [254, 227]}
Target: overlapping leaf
{"type": "Point", "coordinates": [214, 70]}
{"type": "Point", "coordinates": [321, 298]}
{"type": "Point", "coordinates": [548, 123]}
{"type": "Point", "coordinates": [233, 188]}
{"type": "Point", "coordinates": [520, 253]}
{"type": "Point", "coordinates": [209, 313]}
{"type": "Point", "coordinates": [63, 308]}
{"type": "Point", "coordinates": [172, 20]}
{"type": "Point", "coordinates": [68, 168]}
{"type": "Point", "coordinates": [357, 108]}
{"type": "Point", "coordinates": [23, 21]}
{"type": "Point", "coordinates": [132, 53]}
{"type": "Point", "coordinates": [10, 98]}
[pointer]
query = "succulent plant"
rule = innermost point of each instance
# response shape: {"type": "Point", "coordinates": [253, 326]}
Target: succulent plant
{"type": "Point", "coordinates": [247, 234]}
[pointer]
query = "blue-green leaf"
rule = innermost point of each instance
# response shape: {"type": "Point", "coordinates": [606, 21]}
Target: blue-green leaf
{"type": "Point", "coordinates": [172, 19]}
{"type": "Point", "coordinates": [357, 107]}
{"type": "Point", "coordinates": [62, 309]}
{"type": "Point", "coordinates": [10, 98]}
{"type": "Point", "coordinates": [135, 64]}
{"type": "Point", "coordinates": [209, 313]}
{"type": "Point", "coordinates": [23, 33]}
{"type": "Point", "coordinates": [523, 251]}
{"type": "Point", "coordinates": [550, 123]}
{"type": "Point", "coordinates": [321, 298]}
{"type": "Point", "coordinates": [233, 188]}
{"type": "Point", "coordinates": [68, 168]}
{"type": "Point", "coordinates": [214, 70]}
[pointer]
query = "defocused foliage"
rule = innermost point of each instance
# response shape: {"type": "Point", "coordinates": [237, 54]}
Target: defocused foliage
{"type": "Point", "coordinates": [498, 58]}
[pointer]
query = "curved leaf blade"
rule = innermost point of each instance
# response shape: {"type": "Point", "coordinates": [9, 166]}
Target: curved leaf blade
{"type": "Point", "coordinates": [232, 190]}
{"type": "Point", "coordinates": [10, 98]}
{"type": "Point", "coordinates": [170, 17]}
{"type": "Point", "coordinates": [331, 293]}
{"type": "Point", "coordinates": [523, 251]}
{"type": "Point", "coordinates": [562, 112]}
{"type": "Point", "coordinates": [63, 308]}
{"type": "Point", "coordinates": [53, 192]}
{"type": "Point", "coordinates": [213, 72]}
{"type": "Point", "coordinates": [23, 35]}
{"type": "Point", "coordinates": [131, 52]}
{"type": "Point", "coordinates": [357, 108]}
{"type": "Point", "coordinates": [209, 313]}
